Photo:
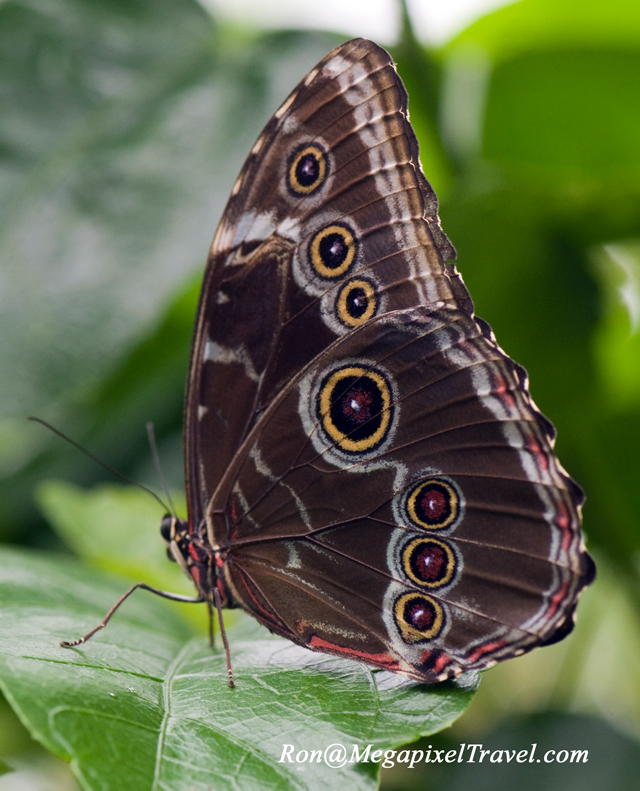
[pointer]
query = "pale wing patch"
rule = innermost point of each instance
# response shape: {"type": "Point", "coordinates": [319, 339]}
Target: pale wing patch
{"type": "Point", "coordinates": [251, 227]}
{"type": "Point", "coordinates": [336, 66]}
{"type": "Point", "coordinates": [287, 104]}
{"type": "Point", "coordinates": [289, 229]}
{"type": "Point", "coordinates": [216, 353]}
{"type": "Point", "coordinates": [310, 77]}
{"type": "Point", "coordinates": [289, 125]}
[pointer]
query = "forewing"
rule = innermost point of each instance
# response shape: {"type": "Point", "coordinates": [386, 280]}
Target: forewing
{"type": "Point", "coordinates": [331, 223]}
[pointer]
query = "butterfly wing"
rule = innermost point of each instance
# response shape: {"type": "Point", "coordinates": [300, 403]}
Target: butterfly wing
{"type": "Point", "coordinates": [331, 222]}
{"type": "Point", "coordinates": [364, 461]}
{"type": "Point", "coordinates": [400, 503]}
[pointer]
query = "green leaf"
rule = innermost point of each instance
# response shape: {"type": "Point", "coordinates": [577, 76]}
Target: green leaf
{"type": "Point", "coordinates": [570, 112]}
{"type": "Point", "coordinates": [91, 157]}
{"type": "Point", "coordinates": [617, 342]}
{"type": "Point", "coordinates": [539, 24]}
{"type": "Point", "coordinates": [157, 701]}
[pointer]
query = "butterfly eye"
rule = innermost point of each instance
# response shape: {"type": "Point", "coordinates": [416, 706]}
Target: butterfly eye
{"type": "Point", "coordinates": [356, 302]}
{"type": "Point", "coordinates": [354, 407]}
{"type": "Point", "coordinates": [429, 563]}
{"type": "Point", "coordinates": [332, 250]}
{"type": "Point", "coordinates": [433, 504]}
{"type": "Point", "coordinates": [418, 617]}
{"type": "Point", "coordinates": [166, 526]}
{"type": "Point", "coordinates": [307, 170]}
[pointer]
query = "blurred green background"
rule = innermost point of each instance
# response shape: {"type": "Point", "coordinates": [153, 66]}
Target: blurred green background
{"type": "Point", "coordinates": [123, 124]}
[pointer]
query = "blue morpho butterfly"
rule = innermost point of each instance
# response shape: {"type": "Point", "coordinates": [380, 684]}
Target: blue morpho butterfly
{"type": "Point", "coordinates": [367, 474]}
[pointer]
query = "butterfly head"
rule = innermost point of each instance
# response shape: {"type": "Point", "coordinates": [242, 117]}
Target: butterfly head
{"type": "Point", "coordinates": [193, 556]}
{"type": "Point", "coordinates": [175, 533]}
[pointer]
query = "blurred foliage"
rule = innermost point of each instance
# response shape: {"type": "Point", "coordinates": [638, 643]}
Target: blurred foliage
{"type": "Point", "coordinates": [122, 128]}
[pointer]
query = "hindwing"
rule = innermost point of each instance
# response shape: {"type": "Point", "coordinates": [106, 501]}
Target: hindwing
{"type": "Point", "coordinates": [400, 502]}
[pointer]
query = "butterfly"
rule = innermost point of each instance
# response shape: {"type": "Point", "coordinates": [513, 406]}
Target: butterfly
{"type": "Point", "coordinates": [367, 474]}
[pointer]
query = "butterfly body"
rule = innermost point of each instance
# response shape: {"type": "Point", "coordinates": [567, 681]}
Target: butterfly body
{"type": "Point", "coordinates": [367, 474]}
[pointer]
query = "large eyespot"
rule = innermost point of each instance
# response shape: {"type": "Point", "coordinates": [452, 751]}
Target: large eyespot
{"type": "Point", "coordinates": [307, 170]}
{"type": "Point", "coordinates": [418, 617]}
{"type": "Point", "coordinates": [356, 302]}
{"type": "Point", "coordinates": [433, 504]}
{"type": "Point", "coordinates": [332, 250]}
{"type": "Point", "coordinates": [354, 407]}
{"type": "Point", "coordinates": [429, 563]}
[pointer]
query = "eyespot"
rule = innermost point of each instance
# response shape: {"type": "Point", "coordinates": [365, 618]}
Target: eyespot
{"type": "Point", "coordinates": [307, 170]}
{"type": "Point", "coordinates": [356, 302]}
{"type": "Point", "coordinates": [418, 617]}
{"type": "Point", "coordinates": [433, 504]}
{"type": "Point", "coordinates": [429, 563]}
{"type": "Point", "coordinates": [354, 407]}
{"type": "Point", "coordinates": [332, 250]}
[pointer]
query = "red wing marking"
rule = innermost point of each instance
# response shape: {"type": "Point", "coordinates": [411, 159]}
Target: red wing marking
{"type": "Point", "coordinates": [486, 649]}
{"type": "Point", "coordinates": [500, 388]}
{"type": "Point", "coordinates": [435, 665]}
{"type": "Point", "coordinates": [441, 662]}
{"type": "Point", "coordinates": [557, 599]}
{"type": "Point", "coordinates": [533, 446]}
{"type": "Point", "coordinates": [563, 521]}
{"type": "Point", "coordinates": [384, 660]}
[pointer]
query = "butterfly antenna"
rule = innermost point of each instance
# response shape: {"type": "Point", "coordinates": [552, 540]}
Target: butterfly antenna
{"type": "Point", "coordinates": [94, 458]}
{"type": "Point", "coordinates": [156, 460]}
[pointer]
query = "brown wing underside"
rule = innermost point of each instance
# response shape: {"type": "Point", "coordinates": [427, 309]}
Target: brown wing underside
{"type": "Point", "coordinates": [320, 539]}
{"type": "Point", "coordinates": [265, 311]}
{"type": "Point", "coordinates": [368, 461]}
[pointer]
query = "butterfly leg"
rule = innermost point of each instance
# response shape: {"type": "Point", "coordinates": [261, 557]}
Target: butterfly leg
{"type": "Point", "coordinates": [211, 635]}
{"type": "Point", "coordinates": [107, 617]}
{"type": "Point", "coordinates": [225, 642]}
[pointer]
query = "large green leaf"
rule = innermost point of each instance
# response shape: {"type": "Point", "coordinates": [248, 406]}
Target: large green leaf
{"type": "Point", "coordinates": [530, 25]}
{"type": "Point", "coordinates": [568, 113]}
{"type": "Point", "coordinates": [145, 706]}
